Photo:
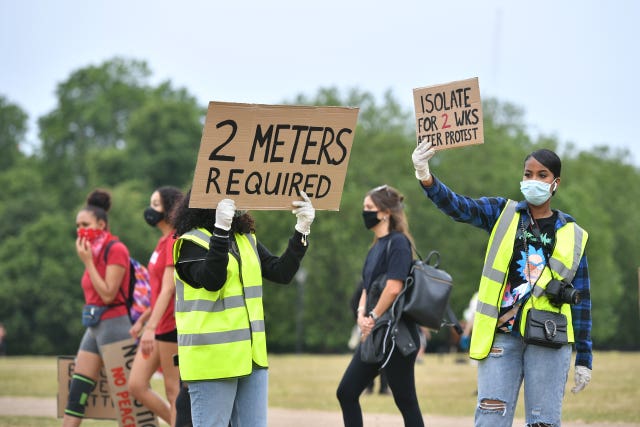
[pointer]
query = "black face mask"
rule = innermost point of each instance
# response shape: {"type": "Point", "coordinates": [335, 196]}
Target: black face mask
{"type": "Point", "coordinates": [370, 219]}
{"type": "Point", "coordinates": [152, 216]}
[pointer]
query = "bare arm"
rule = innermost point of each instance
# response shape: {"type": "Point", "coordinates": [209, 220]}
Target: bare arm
{"type": "Point", "coordinates": [108, 286]}
{"type": "Point", "coordinates": [165, 298]}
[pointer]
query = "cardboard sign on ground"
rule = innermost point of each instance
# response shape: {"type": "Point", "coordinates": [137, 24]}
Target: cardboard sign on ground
{"type": "Point", "coordinates": [262, 156]}
{"type": "Point", "coordinates": [99, 404]}
{"type": "Point", "coordinates": [118, 359]}
{"type": "Point", "coordinates": [449, 115]}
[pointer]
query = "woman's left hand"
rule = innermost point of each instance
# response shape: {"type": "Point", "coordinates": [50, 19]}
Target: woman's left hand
{"type": "Point", "coordinates": [83, 248]}
{"type": "Point", "coordinates": [147, 342]}
{"type": "Point", "coordinates": [366, 325]}
{"type": "Point", "coordinates": [305, 213]}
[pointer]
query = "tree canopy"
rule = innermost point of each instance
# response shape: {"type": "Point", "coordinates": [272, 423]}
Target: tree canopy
{"type": "Point", "coordinates": [113, 129]}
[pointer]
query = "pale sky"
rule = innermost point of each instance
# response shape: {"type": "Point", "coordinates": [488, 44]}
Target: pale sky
{"type": "Point", "coordinates": [571, 65]}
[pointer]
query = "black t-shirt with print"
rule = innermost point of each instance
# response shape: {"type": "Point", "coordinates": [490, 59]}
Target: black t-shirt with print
{"type": "Point", "coordinates": [531, 250]}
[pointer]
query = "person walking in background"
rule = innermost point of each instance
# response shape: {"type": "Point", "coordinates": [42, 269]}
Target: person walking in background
{"type": "Point", "coordinates": [220, 266]}
{"type": "Point", "coordinates": [468, 316]}
{"type": "Point", "coordinates": [386, 266]}
{"type": "Point", "coordinates": [159, 340]}
{"type": "Point", "coordinates": [3, 340]}
{"type": "Point", "coordinates": [530, 247]}
{"type": "Point", "coordinates": [105, 283]}
{"type": "Point", "coordinates": [425, 336]}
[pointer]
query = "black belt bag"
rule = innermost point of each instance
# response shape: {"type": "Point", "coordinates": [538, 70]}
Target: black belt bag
{"type": "Point", "coordinates": [545, 328]}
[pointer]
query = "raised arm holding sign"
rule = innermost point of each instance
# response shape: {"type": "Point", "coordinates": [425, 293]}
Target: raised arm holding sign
{"type": "Point", "coordinates": [534, 265]}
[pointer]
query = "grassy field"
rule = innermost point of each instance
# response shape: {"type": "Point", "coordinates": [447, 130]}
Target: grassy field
{"type": "Point", "coordinates": [446, 386]}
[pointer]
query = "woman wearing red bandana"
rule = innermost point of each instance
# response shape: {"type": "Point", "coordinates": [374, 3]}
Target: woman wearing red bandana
{"type": "Point", "coordinates": [104, 283]}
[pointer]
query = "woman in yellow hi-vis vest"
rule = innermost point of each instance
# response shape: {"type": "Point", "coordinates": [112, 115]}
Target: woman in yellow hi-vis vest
{"type": "Point", "coordinates": [219, 266]}
{"type": "Point", "coordinates": [535, 259]}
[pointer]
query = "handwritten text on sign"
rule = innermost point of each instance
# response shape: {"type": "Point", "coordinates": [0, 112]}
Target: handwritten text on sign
{"type": "Point", "coordinates": [449, 115]}
{"type": "Point", "coordinates": [263, 156]}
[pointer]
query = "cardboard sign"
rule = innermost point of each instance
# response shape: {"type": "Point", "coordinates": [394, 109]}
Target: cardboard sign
{"type": "Point", "coordinates": [118, 359]}
{"type": "Point", "coordinates": [262, 156]}
{"type": "Point", "coordinates": [449, 115]}
{"type": "Point", "coordinates": [99, 404]}
{"type": "Point", "coordinates": [110, 399]}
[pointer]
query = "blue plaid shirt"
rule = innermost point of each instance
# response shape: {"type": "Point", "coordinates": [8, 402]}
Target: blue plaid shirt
{"type": "Point", "coordinates": [484, 213]}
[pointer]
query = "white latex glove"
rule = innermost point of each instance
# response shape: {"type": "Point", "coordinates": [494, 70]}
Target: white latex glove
{"type": "Point", "coordinates": [305, 212]}
{"type": "Point", "coordinates": [420, 156]}
{"type": "Point", "coordinates": [224, 214]}
{"type": "Point", "coordinates": [581, 378]}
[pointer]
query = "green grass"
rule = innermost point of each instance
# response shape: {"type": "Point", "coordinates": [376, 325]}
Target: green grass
{"type": "Point", "coordinates": [445, 387]}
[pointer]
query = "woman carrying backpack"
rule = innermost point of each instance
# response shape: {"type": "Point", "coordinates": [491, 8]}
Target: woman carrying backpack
{"type": "Point", "coordinates": [159, 339]}
{"type": "Point", "coordinates": [104, 283]}
{"type": "Point", "coordinates": [532, 249]}
{"type": "Point", "coordinates": [386, 266]}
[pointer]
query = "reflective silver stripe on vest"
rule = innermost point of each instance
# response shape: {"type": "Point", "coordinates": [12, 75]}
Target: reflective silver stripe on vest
{"type": "Point", "coordinates": [208, 305]}
{"type": "Point", "coordinates": [253, 245]}
{"type": "Point", "coordinates": [257, 326]}
{"type": "Point", "coordinates": [221, 337]}
{"type": "Point", "coordinates": [537, 291]}
{"type": "Point", "coordinates": [569, 273]}
{"type": "Point", "coordinates": [214, 337]}
{"type": "Point", "coordinates": [253, 291]}
{"type": "Point", "coordinates": [501, 230]}
{"type": "Point", "coordinates": [197, 233]}
{"type": "Point", "coordinates": [487, 309]}
{"type": "Point", "coordinates": [179, 293]}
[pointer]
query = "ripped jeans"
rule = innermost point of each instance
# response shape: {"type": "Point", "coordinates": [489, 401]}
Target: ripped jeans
{"type": "Point", "coordinates": [500, 375]}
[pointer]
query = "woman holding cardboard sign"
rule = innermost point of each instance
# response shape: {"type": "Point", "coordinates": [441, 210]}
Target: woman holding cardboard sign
{"type": "Point", "coordinates": [387, 265]}
{"type": "Point", "coordinates": [219, 267]}
{"type": "Point", "coordinates": [533, 299]}
{"type": "Point", "coordinates": [105, 283]}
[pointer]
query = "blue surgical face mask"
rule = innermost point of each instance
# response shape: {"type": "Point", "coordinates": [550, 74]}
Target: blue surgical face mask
{"type": "Point", "coordinates": [535, 192]}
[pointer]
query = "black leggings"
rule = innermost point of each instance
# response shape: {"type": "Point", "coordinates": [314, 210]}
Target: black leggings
{"type": "Point", "coordinates": [401, 378]}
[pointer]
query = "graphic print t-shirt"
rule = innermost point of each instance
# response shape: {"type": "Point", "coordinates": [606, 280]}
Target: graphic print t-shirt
{"type": "Point", "coordinates": [527, 262]}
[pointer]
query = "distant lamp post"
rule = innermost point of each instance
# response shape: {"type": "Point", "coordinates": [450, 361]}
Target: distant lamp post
{"type": "Point", "coordinates": [301, 278]}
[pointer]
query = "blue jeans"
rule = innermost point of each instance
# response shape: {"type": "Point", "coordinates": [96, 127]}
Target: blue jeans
{"type": "Point", "coordinates": [544, 371]}
{"type": "Point", "coordinates": [243, 401]}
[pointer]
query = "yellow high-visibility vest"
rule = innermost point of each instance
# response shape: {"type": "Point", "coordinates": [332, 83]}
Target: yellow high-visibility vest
{"type": "Point", "coordinates": [221, 334]}
{"type": "Point", "coordinates": [569, 247]}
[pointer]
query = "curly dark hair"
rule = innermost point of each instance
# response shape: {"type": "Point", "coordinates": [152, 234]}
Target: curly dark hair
{"type": "Point", "coordinates": [185, 219]}
{"type": "Point", "coordinates": [170, 197]}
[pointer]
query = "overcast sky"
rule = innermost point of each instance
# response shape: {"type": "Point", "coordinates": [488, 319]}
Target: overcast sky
{"type": "Point", "coordinates": [571, 65]}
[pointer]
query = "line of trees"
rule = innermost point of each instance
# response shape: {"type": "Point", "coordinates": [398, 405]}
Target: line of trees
{"type": "Point", "coordinates": [111, 128]}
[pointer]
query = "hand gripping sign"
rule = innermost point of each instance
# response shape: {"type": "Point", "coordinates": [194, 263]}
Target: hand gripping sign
{"type": "Point", "coordinates": [263, 156]}
{"type": "Point", "coordinates": [449, 115]}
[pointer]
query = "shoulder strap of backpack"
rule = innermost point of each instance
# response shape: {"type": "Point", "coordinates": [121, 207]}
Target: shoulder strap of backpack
{"type": "Point", "coordinates": [106, 249]}
{"type": "Point", "coordinates": [131, 272]}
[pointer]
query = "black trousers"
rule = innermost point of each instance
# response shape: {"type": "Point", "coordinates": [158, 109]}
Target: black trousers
{"type": "Point", "coordinates": [183, 407]}
{"type": "Point", "coordinates": [401, 378]}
